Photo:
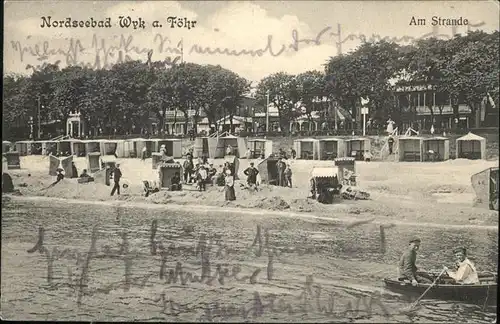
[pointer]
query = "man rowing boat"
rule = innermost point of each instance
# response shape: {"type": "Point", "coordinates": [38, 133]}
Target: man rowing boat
{"type": "Point", "coordinates": [466, 271]}
{"type": "Point", "coordinates": [407, 266]}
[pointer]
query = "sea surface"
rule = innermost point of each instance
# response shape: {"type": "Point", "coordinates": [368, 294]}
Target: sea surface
{"type": "Point", "coordinates": [102, 262]}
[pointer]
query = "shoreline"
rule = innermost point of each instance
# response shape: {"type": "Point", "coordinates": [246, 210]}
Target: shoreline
{"type": "Point", "coordinates": [351, 221]}
{"type": "Point", "coordinates": [438, 194]}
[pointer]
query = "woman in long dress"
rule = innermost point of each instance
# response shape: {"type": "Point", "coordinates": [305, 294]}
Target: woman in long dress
{"type": "Point", "coordinates": [229, 186]}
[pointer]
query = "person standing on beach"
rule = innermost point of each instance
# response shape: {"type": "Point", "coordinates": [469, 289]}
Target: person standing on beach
{"type": "Point", "coordinates": [74, 170]}
{"type": "Point", "coordinates": [144, 153]}
{"type": "Point", "coordinates": [188, 168]}
{"type": "Point", "coordinates": [202, 176]}
{"type": "Point", "coordinates": [390, 143]}
{"type": "Point", "coordinates": [293, 153]}
{"type": "Point", "coordinates": [230, 194]}
{"type": "Point", "coordinates": [251, 172]}
{"type": "Point", "coordinates": [281, 172]}
{"type": "Point", "coordinates": [288, 176]}
{"type": "Point", "coordinates": [117, 174]}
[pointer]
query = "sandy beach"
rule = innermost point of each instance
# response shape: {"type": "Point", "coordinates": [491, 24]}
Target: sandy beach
{"type": "Point", "coordinates": [400, 191]}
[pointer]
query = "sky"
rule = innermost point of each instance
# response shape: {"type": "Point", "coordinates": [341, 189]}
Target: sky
{"type": "Point", "coordinates": [273, 31]}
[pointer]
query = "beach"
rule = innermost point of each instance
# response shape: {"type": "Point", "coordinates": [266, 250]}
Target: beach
{"type": "Point", "coordinates": [438, 192]}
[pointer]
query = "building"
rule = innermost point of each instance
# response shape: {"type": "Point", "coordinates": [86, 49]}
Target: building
{"type": "Point", "coordinates": [423, 105]}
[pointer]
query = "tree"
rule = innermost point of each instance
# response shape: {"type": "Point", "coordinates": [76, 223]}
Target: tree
{"type": "Point", "coordinates": [312, 86]}
{"type": "Point", "coordinates": [160, 97]}
{"type": "Point", "coordinates": [16, 111]}
{"type": "Point", "coordinates": [472, 73]}
{"type": "Point", "coordinates": [222, 93]}
{"type": "Point", "coordinates": [284, 94]}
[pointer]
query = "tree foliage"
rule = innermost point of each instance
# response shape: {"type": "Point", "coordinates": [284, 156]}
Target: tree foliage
{"type": "Point", "coordinates": [123, 98]}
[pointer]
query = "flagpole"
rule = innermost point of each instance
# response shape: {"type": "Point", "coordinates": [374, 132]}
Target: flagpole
{"type": "Point", "coordinates": [267, 112]}
{"type": "Point", "coordinates": [182, 50]}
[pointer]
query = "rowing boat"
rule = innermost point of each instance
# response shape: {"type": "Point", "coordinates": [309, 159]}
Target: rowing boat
{"type": "Point", "coordinates": [483, 293]}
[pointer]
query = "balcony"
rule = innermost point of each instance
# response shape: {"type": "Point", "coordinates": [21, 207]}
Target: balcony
{"type": "Point", "coordinates": [447, 110]}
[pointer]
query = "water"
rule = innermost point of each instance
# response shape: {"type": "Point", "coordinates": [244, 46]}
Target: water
{"type": "Point", "coordinates": [347, 263]}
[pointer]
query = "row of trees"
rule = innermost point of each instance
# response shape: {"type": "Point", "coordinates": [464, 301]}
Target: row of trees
{"type": "Point", "coordinates": [125, 96]}
{"type": "Point", "coordinates": [122, 98]}
{"type": "Point", "coordinates": [464, 69]}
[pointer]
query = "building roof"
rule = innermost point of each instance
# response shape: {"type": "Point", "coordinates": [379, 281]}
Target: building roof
{"type": "Point", "coordinates": [324, 172]}
{"type": "Point", "coordinates": [328, 139]}
{"type": "Point", "coordinates": [436, 138]}
{"type": "Point", "coordinates": [410, 137]}
{"type": "Point", "coordinates": [306, 140]}
{"type": "Point", "coordinates": [471, 137]}
{"type": "Point", "coordinates": [357, 138]}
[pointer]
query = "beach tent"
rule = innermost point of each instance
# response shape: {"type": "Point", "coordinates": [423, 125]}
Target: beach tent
{"type": "Point", "coordinates": [93, 162]}
{"type": "Point", "coordinates": [268, 171]}
{"type": "Point", "coordinates": [201, 146]}
{"type": "Point", "coordinates": [49, 147]}
{"type": "Point", "coordinates": [24, 147]}
{"type": "Point", "coordinates": [331, 148]}
{"type": "Point", "coordinates": [439, 145]}
{"type": "Point", "coordinates": [260, 146]}
{"type": "Point", "coordinates": [13, 160]}
{"type": "Point", "coordinates": [346, 169]}
{"type": "Point", "coordinates": [237, 143]}
{"type": "Point", "coordinates": [108, 147]}
{"type": "Point", "coordinates": [92, 146]}
{"type": "Point", "coordinates": [124, 148]}
{"type": "Point", "coordinates": [109, 161]}
{"type": "Point", "coordinates": [6, 145]}
{"type": "Point", "coordinates": [357, 146]}
{"type": "Point", "coordinates": [5, 165]}
{"type": "Point", "coordinates": [471, 146]}
{"type": "Point", "coordinates": [166, 172]}
{"type": "Point", "coordinates": [37, 148]}
{"type": "Point", "coordinates": [306, 148]}
{"type": "Point", "coordinates": [173, 146]}
{"type": "Point", "coordinates": [485, 185]}
{"type": "Point", "coordinates": [137, 144]}
{"type": "Point", "coordinates": [64, 163]}
{"type": "Point", "coordinates": [78, 148]}
{"type": "Point", "coordinates": [409, 149]}
{"type": "Point", "coordinates": [64, 147]}
{"type": "Point", "coordinates": [156, 159]}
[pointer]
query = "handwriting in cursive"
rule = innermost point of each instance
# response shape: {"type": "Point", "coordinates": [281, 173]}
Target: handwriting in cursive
{"type": "Point", "coordinates": [310, 301]}
{"type": "Point", "coordinates": [124, 49]}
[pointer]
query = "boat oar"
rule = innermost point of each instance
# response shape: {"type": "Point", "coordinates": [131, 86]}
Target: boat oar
{"type": "Point", "coordinates": [425, 292]}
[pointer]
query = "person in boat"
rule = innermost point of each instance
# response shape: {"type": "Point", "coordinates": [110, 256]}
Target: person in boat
{"type": "Point", "coordinates": [407, 265]}
{"type": "Point", "coordinates": [175, 182]}
{"type": "Point", "coordinates": [466, 271]}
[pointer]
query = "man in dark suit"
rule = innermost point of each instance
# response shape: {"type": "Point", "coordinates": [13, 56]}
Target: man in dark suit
{"type": "Point", "coordinates": [117, 174]}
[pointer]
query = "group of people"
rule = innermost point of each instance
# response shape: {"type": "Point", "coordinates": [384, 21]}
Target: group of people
{"type": "Point", "coordinates": [202, 173]}
{"type": "Point", "coordinates": [464, 273]}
